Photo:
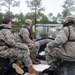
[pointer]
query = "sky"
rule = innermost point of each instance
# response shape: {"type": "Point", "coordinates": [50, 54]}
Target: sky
{"type": "Point", "coordinates": [54, 6]}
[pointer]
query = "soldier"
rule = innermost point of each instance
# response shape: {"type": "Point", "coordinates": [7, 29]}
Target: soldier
{"type": "Point", "coordinates": [63, 46]}
{"type": "Point", "coordinates": [25, 34]}
{"type": "Point", "coordinates": [11, 49]}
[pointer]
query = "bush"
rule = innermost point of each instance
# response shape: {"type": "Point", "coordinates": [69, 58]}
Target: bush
{"type": "Point", "coordinates": [43, 35]}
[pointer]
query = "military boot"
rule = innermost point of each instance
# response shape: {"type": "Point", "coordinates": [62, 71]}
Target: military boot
{"type": "Point", "coordinates": [36, 61]}
{"type": "Point", "coordinates": [32, 71]}
{"type": "Point", "coordinates": [17, 68]}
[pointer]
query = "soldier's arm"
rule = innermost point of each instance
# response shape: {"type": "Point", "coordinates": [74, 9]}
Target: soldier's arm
{"type": "Point", "coordinates": [10, 40]}
{"type": "Point", "coordinates": [60, 39]}
{"type": "Point", "coordinates": [26, 36]}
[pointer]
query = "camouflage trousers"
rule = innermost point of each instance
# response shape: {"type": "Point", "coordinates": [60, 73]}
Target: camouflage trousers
{"type": "Point", "coordinates": [16, 53]}
{"type": "Point", "coordinates": [51, 54]}
{"type": "Point", "coordinates": [34, 48]}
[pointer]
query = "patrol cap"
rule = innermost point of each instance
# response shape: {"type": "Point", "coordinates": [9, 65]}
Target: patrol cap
{"type": "Point", "coordinates": [70, 19]}
{"type": "Point", "coordinates": [28, 21]}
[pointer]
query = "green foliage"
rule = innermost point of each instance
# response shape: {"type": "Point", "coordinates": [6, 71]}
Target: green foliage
{"type": "Point", "coordinates": [30, 16]}
{"type": "Point", "coordinates": [36, 14]}
{"type": "Point", "coordinates": [9, 3]}
{"type": "Point", "coordinates": [1, 15]}
{"type": "Point", "coordinates": [43, 35]}
{"type": "Point", "coordinates": [52, 18]}
{"type": "Point", "coordinates": [59, 18]}
{"type": "Point", "coordinates": [33, 35]}
{"type": "Point", "coordinates": [35, 7]}
{"type": "Point", "coordinates": [43, 19]}
{"type": "Point", "coordinates": [68, 8]}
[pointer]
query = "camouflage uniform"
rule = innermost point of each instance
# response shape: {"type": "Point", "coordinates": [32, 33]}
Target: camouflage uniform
{"type": "Point", "coordinates": [51, 55]}
{"type": "Point", "coordinates": [61, 47]}
{"type": "Point", "coordinates": [34, 46]}
{"type": "Point", "coordinates": [9, 48]}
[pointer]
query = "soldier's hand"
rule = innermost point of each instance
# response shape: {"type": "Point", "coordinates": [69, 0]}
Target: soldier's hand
{"type": "Point", "coordinates": [34, 40]}
{"type": "Point", "coordinates": [28, 51]}
{"type": "Point", "coordinates": [47, 45]}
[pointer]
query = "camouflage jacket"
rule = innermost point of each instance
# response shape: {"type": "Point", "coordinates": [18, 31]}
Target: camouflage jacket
{"type": "Point", "coordinates": [67, 51]}
{"type": "Point", "coordinates": [24, 33]}
{"type": "Point", "coordinates": [8, 40]}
